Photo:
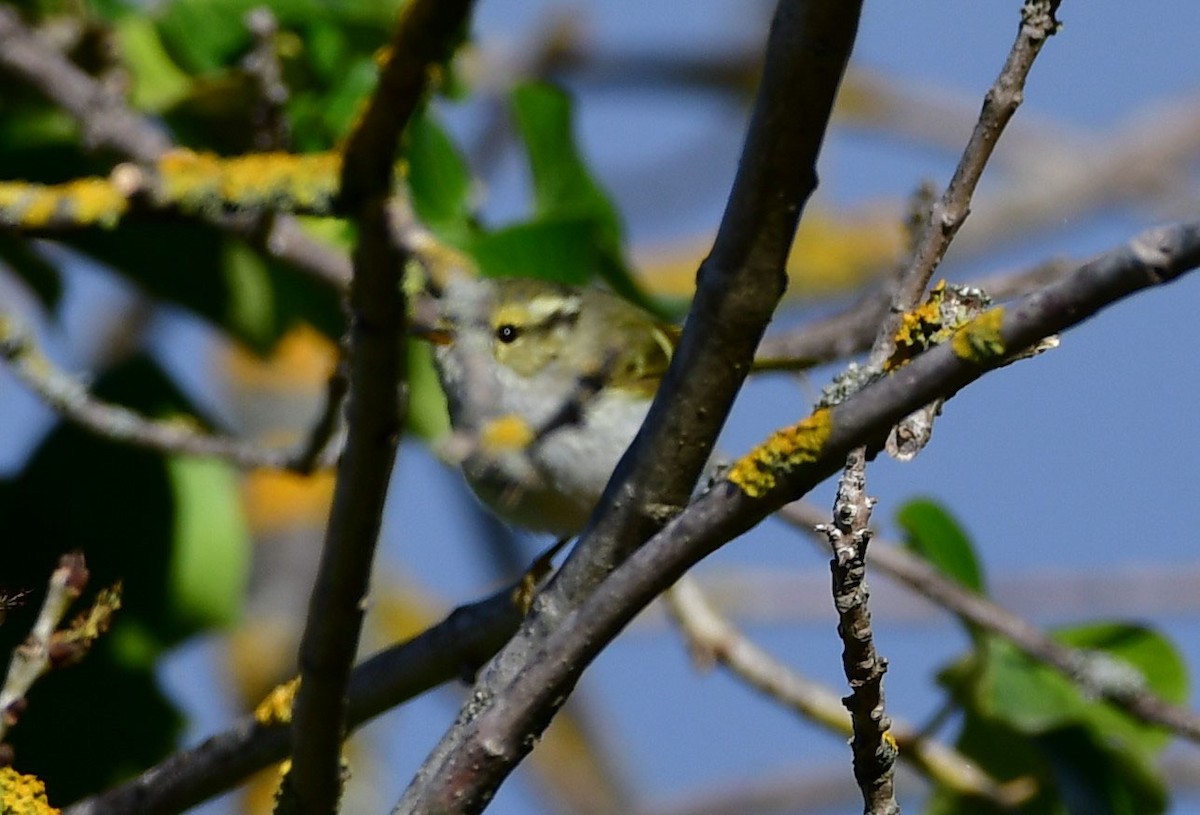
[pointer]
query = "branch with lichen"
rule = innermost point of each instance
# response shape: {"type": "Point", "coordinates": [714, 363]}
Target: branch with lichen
{"type": "Point", "coordinates": [22, 794]}
{"type": "Point", "coordinates": [49, 646]}
{"type": "Point", "coordinates": [1038, 23]}
{"type": "Point", "coordinates": [712, 638]}
{"type": "Point", "coordinates": [773, 475]}
{"type": "Point", "coordinates": [907, 330]}
{"type": "Point", "coordinates": [107, 122]}
{"type": "Point", "coordinates": [499, 732]}
{"type": "Point", "coordinates": [179, 180]}
{"type": "Point", "coordinates": [739, 287]}
{"type": "Point", "coordinates": [72, 400]}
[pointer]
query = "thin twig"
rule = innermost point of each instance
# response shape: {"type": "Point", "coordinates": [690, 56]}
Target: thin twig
{"type": "Point", "coordinates": [271, 128]}
{"type": "Point", "coordinates": [740, 285]}
{"type": "Point", "coordinates": [36, 655]}
{"type": "Point", "coordinates": [1038, 22]}
{"type": "Point", "coordinates": [850, 533]}
{"type": "Point", "coordinates": [424, 36]}
{"type": "Point", "coordinates": [712, 638]}
{"type": "Point", "coordinates": [72, 400]}
{"type": "Point", "coordinates": [873, 746]}
{"type": "Point", "coordinates": [1087, 670]}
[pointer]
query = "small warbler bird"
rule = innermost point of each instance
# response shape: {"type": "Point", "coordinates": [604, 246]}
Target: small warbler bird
{"type": "Point", "coordinates": [549, 383]}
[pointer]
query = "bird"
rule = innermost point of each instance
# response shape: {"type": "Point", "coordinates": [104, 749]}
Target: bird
{"type": "Point", "coordinates": [548, 384]}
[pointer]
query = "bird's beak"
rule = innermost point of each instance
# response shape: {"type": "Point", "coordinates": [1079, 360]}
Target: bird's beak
{"type": "Point", "coordinates": [426, 322]}
{"type": "Point", "coordinates": [433, 334]}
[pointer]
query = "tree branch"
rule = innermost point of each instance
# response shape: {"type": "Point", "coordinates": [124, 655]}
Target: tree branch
{"type": "Point", "coordinates": [71, 400]}
{"type": "Point", "coordinates": [109, 124]}
{"type": "Point", "coordinates": [739, 287]}
{"type": "Point", "coordinates": [495, 731]}
{"type": "Point", "coordinates": [453, 648]}
{"type": "Point", "coordinates": [874, 748]}
{"type": "Point", "coordinates": [423, 37]}
{"type": "Point", "coordinates": [712, 638]}
{"type": "Point", "coordinates": [854, 330]}
{"type": "Point", "coordinates": [947, 215]}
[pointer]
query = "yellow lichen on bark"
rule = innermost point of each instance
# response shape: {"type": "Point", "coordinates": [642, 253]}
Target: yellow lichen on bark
{"type": "Point", "coordinates": [206, 182]}
{"type": "Point", "coordinates": [86, 202]}
{"type": "Point", "coordinates": [919, 329]}
{"type": "Point", "coordinates": [980, 339]}
{"type": "Point", "coordinates": [190, 180]}
{"type": "Point", "coordinates": [276, 708]}
{"type": "Point", "coordinates": [759, 471]}
{"type": "Point", "coordinates": [307, 181]}
{"type": "Point", "coordinates": [22, 794]}
{"type": "Point", "coordinates": [94, 201]}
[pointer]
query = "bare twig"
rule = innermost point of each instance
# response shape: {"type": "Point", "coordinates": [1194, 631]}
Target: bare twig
{"type": "Point", "coordinates": [424, 36]}
{"type": "Point", "coordinates": [453, 648]}
{"type": "Point", "coordinates": [947, 215]}
{"type": "Point", "coordinates": [849, 534]}
{"type": "Point", "coordinates": [38, 653]}
{"type": "Point", "coordinates": [1088, 670]}
{"type": "Point", "coordinates": [739, 287]}
{"type": "Point", "coordinates": [74, 403]}
{"type": "Point", "coordinates": [713, 638]}
{"type": "Point", "coordinates": [271, 129]}
{"type": "Point", "coordinates": [874, 747]}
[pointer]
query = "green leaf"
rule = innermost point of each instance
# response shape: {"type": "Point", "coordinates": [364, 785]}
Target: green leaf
{"type": "Point", "coordinates": [1034, 698]}
{"type": "Point", "coordinates": [1005, 755]}
{"type": "Point", "coordinates": [205, 35]}
{"type": "Point", "coordinates": [931, 532]}
{"type": "Point", "coordinates": [1154, 658]}
{"type": "Point", "coordinates": [1099, 758]}
{"type": "Point", "coordinates": [1093, 779]}
{"type": "Point", "coordinates": [1074, 773]}
{"type": "Point", "coordinates": [563, 186]}
{"type": "Point", "coordinates": [211, 551]}
{"type": "Point", "coordinates": [564, 190]}
{"type": "Point", "coordinates": [564, 251]}
{"type": "Point", "coordinates": [251, 305]}
{"type": "Point", "coordinates": [439, 179]}
{"type": "Point", "coordinates": [157, 81]}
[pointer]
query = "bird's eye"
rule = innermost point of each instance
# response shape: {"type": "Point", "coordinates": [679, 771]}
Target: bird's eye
{"type": "Point", "coordinates": [507, 333]}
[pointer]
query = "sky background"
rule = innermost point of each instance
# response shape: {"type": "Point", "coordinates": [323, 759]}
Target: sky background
{"type": "Point", "coordinates": [1080, 462]}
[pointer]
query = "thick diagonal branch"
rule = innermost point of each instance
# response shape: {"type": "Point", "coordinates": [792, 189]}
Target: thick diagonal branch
{"type": "Point", "coordinates": [739, 287]}
{"type": "Point", "coordinates": [498, 727]}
